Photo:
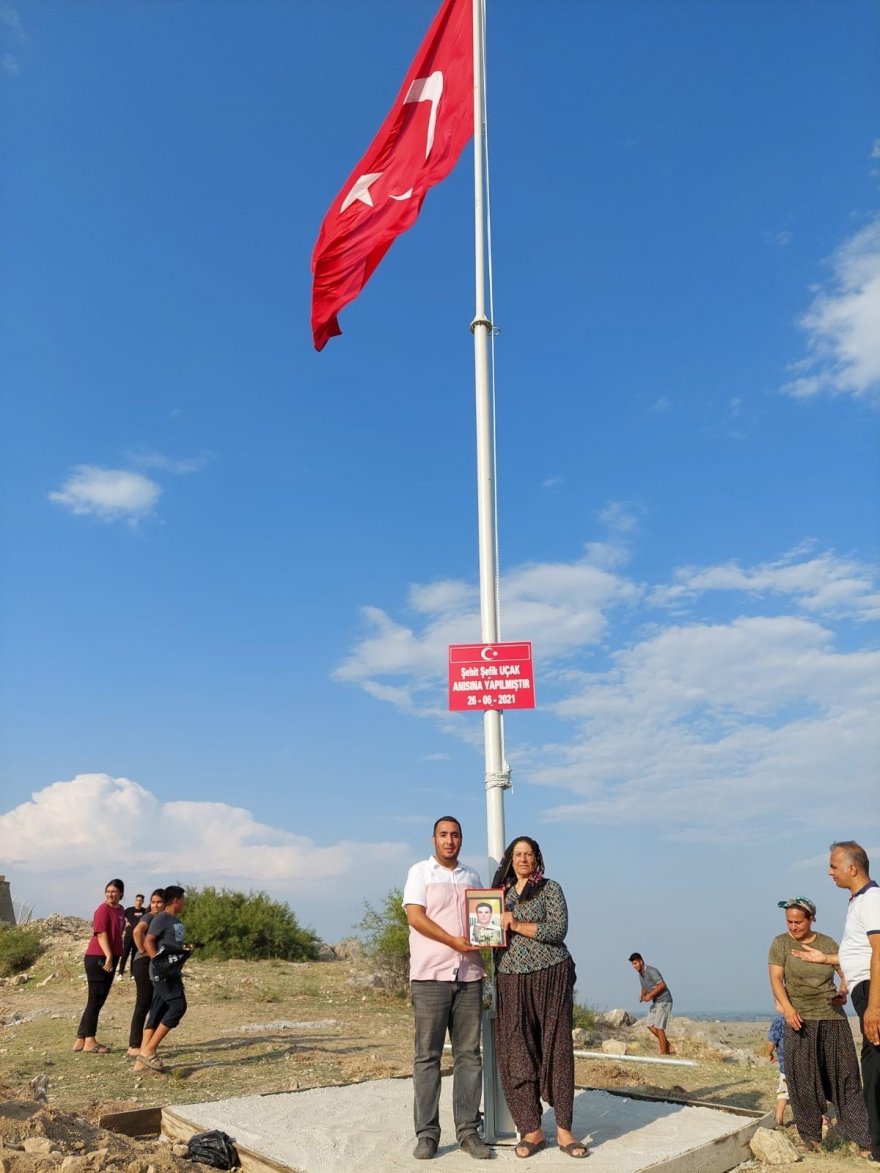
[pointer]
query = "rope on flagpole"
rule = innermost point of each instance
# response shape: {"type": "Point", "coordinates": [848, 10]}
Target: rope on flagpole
{"type": "Point", "coordinates": [499, 780]}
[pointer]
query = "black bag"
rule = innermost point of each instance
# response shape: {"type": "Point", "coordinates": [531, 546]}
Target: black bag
{"type": "Point", "coordinates": [167, 965]}
{"type": "Point", "coordinates": [213, 1148]}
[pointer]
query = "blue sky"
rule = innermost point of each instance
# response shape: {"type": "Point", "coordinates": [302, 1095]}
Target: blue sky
{"type": "Point", "coordinates": [232, 565]}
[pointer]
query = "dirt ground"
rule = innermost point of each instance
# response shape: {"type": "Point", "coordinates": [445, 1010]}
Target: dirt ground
{"type": "Point", "coordinates": [276, 1026]}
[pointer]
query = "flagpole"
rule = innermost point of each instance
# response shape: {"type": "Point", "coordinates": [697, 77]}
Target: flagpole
{"type": "Point", "coordinates": [496, 1117]}
{"type": "Point", "coordinates": [497, 772]}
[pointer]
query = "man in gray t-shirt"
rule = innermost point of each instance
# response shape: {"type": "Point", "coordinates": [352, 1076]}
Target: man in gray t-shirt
{"type": "Point", "coordinates": [164, 945]}
{"type": "Point", "coordinates": [654, 990]}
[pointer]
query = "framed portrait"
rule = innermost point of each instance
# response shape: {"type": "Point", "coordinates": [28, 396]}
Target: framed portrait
{"type": "Point", "coordinates": [484, 907]}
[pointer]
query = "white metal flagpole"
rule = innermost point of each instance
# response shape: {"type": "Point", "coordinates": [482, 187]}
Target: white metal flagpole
{"type": "Point", "coordinates": [497, 773]}
{"type": "Point", "coordinates": [496, 1118]}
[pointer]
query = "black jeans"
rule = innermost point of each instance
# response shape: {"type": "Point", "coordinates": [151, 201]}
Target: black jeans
{"type": "Point", "coordinates": [129, 949]}
{"type": "Point", "coordinates": [169, 1003]}
{"type": "Point", "coordinates": [870, 1068]}
{"type": "Point", "coordinates": [140, 971]}
{"type": "Point", "coordinates": [100, 984]}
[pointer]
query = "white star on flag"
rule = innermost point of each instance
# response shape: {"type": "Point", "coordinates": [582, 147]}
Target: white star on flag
{"type": "Point", "coordinates": [361, 191]}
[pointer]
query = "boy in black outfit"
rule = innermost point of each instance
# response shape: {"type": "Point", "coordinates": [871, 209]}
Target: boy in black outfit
{"type": "Point", "coordinates": [167, 952]}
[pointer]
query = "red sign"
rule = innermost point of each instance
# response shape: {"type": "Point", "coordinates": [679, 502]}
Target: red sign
{"type": "Point", "coordinates": [490, 676]}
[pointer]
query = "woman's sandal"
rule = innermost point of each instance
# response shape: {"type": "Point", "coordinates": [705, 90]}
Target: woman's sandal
{"type": "Point", "coordinates": [531, 1147]}
{"type": "Point", "coordinates": [569, 1149]}
{"type": "Point", "coordinates": [98, 1049]}
{"type": "Point", "coordinates": [807, 1146]}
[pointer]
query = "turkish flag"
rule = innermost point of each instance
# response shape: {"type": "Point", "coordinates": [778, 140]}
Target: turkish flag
{"type": "Point", "coordinates": [417, 146]}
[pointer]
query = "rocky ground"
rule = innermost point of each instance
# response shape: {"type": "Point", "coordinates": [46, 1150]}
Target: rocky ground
{"type": "Point", "coordinates": [278, 1026]}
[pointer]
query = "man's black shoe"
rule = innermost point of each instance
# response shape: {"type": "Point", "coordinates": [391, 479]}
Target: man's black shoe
{"type": "Point", "coordinates": [474, 1147]}
{"type": "Point", "coordinates": [425, 1149]}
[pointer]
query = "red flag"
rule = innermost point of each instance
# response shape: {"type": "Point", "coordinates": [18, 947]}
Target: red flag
{"type": "Point", "coordinates": [417, 146]}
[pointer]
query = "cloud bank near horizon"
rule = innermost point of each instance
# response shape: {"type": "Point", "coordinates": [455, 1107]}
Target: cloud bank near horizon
{"type": "Point", "coordinates": [74, 835]}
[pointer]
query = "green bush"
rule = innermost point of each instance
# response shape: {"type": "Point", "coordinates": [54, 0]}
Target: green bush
{"type": "Point", "coordinates": [19, 949]}
{"type": "Point", "coordinates": [585, 1016]}
{"type": "Point", "coordinates": [225, 924]}
{"type": "Point", "coordinates": [385, 934]}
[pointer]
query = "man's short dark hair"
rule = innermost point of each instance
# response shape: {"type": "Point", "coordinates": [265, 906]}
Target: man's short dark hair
{"type": "Point", "coordinates": [855, 853]}
{"type": "Point", "coordinates": [635, 957]}
{"type": "Point", "coordinates": [138, 895]}
{"type": "Point", "coordinates": [447, 819]}
{"type": "Point", "coordinates": [483, 904]}
{"type": "Point", "coordinates": [174, 892]}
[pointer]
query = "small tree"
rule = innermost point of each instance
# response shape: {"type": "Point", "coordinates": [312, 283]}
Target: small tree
{"type": "Point", "coordinates": [252, 927]}
{"type": "Point", "coordinates": [385, 934]}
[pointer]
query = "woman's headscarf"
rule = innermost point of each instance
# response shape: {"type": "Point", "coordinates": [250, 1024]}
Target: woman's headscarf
{"type": "Point", "coordinates": [505, 876]}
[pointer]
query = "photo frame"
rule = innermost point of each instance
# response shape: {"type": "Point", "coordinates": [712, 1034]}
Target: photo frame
{"type": "Point", "coordinates": [483, 909]}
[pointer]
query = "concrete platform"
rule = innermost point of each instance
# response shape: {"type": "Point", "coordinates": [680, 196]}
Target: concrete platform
{"type": "Point", "coordinates": [367, 1128]}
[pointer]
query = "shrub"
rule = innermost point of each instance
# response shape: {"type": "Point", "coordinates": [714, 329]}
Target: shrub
{"type": "Point", "coordinates": [19, 949]}
{"type": "Point", "coordinates": [226, 924]}
{"type": "Point", "coordinates": [385, 934]}
{"type": "Point", "coordinates": [584, 1016]}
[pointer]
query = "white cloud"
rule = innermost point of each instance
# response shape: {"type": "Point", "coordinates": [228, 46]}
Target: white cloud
{"type": "Point", "coordinates": [110, 494]}
{"type": "Point", "coordinates": [73, 835]}
{"type": "Point", "coordinates": [559, 606]}
{"type": "Point", "coordinates": [706, 729]}
{"type": "Point", "coordinates": [180, 467]}
{"type": "Point", "coordinates": [824, 584]}
{"type": "Point", "coordinates": [10, 65]}
{"type": "Point", "coordinates": [10, 17]}
{"type": "Point", "coordinates": [843, 338]}
{"type": "Point", "coordinates": [723, 728]}
{"type": "Point", "coordinates": [621, 517]}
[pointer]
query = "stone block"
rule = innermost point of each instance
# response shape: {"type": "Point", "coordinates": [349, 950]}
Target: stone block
{"type": "Point", "coordinates": [773, 1148]}
{"type": "Point", "coordinates": [618, 1018]}
{"type": "Point", "coordinates": [614, 1046]}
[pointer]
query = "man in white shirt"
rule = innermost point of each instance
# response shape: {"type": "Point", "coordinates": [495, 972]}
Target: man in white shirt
{"type": "Point", "coordinates": [859, 957]}
{"type": "Point", "coordinates": [446, 980]}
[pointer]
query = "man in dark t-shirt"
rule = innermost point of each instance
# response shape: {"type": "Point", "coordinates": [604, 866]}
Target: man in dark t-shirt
{"type": "Point", "coordinates": [164, 946]}
{"type": "Point", "coordinates": [132, 919]}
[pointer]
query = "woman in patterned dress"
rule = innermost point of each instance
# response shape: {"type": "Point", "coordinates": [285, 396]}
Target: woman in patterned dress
{"type": "Point", "coordinates": [535, 986]}
{"type": "Point", "coordinates": [820, 1056]}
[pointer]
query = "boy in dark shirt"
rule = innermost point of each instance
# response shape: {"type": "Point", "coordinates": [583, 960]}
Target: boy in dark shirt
{"type": "Point", "coordinates": [165, 948]}
{"type": "Point", "coordinates": [132, 919]}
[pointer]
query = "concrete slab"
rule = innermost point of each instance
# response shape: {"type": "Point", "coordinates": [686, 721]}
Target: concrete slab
{"type": "Point", "coordinates": [367, 1128]}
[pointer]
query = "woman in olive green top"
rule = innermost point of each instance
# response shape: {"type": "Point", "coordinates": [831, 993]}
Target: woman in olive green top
{"type": "Point", "coordinates": [820, 1056]}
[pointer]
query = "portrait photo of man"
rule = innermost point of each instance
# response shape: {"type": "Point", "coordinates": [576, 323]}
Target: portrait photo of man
{"type": "Point", "coordinates": [484, 920]}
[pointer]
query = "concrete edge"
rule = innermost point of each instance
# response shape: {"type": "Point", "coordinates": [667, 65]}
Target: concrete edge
{"type": "Point", "coordinates": [178, 1129]}
{"type": "Point", "coordinates": [718, 1157]}
{"type": "Point", "coordinates": [731, 1109]}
